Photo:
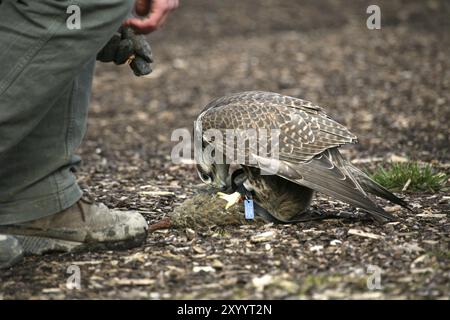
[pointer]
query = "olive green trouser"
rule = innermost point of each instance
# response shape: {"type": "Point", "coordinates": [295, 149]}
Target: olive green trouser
{"type": "Point", "coordinates": [46, 73]}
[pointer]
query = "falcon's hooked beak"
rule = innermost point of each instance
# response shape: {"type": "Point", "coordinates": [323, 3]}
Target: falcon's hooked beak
{"type": "Point", "coordinates": [215, 174]}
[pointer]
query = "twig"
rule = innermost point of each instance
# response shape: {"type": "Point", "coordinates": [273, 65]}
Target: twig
{"type": "Point", "coordinates": [162, 224]}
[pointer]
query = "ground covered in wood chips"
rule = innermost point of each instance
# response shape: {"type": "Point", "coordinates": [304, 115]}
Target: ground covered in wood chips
{"type": "Point", "coordinates": [391, 87]}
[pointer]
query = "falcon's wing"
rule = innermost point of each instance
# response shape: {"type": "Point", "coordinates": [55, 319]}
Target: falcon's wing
{"type": "Point", "coordinates": [305, 130]}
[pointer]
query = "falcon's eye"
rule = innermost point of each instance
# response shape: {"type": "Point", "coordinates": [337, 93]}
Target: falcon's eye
{"type": "Point", "coordinates": [205, 178]}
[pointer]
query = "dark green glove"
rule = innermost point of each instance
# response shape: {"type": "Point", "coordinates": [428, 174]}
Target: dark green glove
{"type": "Point", "coordinates": [125, 46]}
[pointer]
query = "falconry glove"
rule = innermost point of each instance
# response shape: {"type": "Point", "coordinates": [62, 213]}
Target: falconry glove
{"type": "Point", "coordinates": [125, 46]}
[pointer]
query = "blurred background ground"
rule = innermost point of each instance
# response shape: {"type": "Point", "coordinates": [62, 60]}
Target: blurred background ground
{"type": "Point", "coordinates": [391, 87]}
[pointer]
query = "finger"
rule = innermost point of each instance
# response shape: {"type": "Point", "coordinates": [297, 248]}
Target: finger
{"type": "Point", "coordinates": [142, 7]}
{"type": "Point", "coordinates": [140, 26]}
{"type": "Point", "coordinates": [142, 48]}
{"type": "Point", "coordinates": [149, 24]}
{"type": "Point", "coordinates": [124, 51]}
{"type": "Point", "coordinates": [176, 3]}
{"type": "Point", "coordinates": [171, 5]}
{"type": "Point", "coordinates": [108, 53]}
{"type": "Point", "coordinates": [140, 67]}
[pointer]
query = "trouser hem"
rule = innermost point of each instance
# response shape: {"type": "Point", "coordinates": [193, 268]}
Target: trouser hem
{"type": "Point", "coordinates": [33, 209]}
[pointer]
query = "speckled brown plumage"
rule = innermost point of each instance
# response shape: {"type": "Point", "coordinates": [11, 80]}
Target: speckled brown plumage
{"type": "Point", "coordinates": [305, 129]}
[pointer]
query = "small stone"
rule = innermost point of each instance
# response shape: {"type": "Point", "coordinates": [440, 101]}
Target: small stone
{"type": "Point", "coordinates": [217, 264]}
{"type": "Point", "coordinates": [131, 282]}
{"type": "Point", "coordinates": [198, 269]}
{"type": "Point", "coordinates": [51, 290]}
{"type": "Point", "coordinates": [198, 249]}
{"type": "Point", "coordinates": [190, 234]}
{"type": "Point", "coordinates": [317, 248]}
{"type": "Point", "coordinates": [392, 209]}
{"type": "Point", "coordinates": [335, 242]}
{"type": "Point", "coordinates": [361, 233]}
{"type": "Point", "coordinates": [154, 295]}
{"type": "Point", "coordinates": [396, 158]}
{"type": "Point", "coordinates": [260, 282]}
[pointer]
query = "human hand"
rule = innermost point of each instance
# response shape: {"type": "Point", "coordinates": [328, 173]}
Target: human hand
{"type": "Point", "coordinates": [155, 12]}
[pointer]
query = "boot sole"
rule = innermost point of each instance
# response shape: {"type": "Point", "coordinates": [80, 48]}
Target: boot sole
{"type": "Point", "coordinates": [40, 245]}
{"type": "Point", "coordinates": [11, 263]}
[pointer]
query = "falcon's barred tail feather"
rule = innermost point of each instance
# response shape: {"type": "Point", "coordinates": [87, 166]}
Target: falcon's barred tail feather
{"type": "Point", "coordinates": [374, 188]}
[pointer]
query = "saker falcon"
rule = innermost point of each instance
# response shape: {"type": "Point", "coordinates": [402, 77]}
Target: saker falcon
{"type": "Point", "coordinates": [308, 157]}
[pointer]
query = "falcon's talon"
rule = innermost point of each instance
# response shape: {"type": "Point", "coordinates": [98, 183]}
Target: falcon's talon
{"type": "Point", "coordinates": [231, 199]}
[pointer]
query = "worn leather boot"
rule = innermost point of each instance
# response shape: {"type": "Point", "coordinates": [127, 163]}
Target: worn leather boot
{"type": "Point", "coordinates": [11, 251]}
{"type": "Point", "coordinates": [84, 226]}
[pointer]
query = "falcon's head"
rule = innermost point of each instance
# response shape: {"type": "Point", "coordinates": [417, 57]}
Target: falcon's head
{"type": "Point", "coordinates": [215, 174]}
{"type": "Point", "coordinates": [208, 169]}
